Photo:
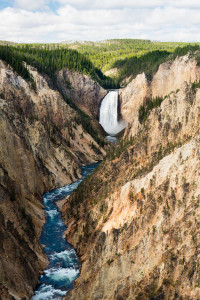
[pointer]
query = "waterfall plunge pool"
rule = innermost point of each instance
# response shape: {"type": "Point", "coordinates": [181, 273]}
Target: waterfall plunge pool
{"type": "Point", "coordinates": [64, 265]}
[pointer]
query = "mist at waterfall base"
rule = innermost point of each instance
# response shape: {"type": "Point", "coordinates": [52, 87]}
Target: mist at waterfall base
{"type": "Point", "coordinates": [64, 264]}
{"type": "Point", "coordinates": [108, 115]}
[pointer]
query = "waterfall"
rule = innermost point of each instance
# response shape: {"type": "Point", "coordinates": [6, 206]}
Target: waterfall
{"type": "Point", "coordinates": [108, 117]}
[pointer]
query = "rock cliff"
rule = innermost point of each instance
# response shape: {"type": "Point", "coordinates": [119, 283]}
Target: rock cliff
{"type": "Point", "coordinates": [137, 230]}
{"type": "Point", "coordinates": [169, 78]}
{"type": "Point", "coordinates": [42, 145]}
{"type": "Point", "coordinates": [85, 93]}
{"type": "Point", "coordinates": [132, 96]}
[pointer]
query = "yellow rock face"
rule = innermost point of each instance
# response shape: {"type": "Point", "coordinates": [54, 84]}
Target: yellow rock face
{"type": "Point", "coordinates": [170, 77]}
{"type": "Point", "coordinates": [41, 147]}
{"type": "Point", "coordinates": [139, 237]}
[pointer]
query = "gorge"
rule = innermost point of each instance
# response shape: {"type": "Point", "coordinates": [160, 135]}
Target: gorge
{"type": "Point", "coordinates": [142, 216]}
{"type": "Point", "coordinates": [64, 264]}
{"type": "Point", "coordinates": [133, 224]}
{"type": "Point", "coordinates": [43, 145]}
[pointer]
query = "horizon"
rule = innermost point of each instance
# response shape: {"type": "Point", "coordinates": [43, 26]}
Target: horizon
{"type": "Point", "coordinates": [99, 41]}
{"type": "Point", "coordinates": [55, 21]}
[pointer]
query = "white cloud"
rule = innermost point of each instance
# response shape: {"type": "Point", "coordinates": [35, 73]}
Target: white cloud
{"type": "Point", "coordinates": [99, 4]}
{"type": "Point", "coordinates": [99, 20]}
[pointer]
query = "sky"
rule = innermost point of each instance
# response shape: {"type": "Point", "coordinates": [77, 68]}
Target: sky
{"type": "Point", "coordinates": [94, 20]}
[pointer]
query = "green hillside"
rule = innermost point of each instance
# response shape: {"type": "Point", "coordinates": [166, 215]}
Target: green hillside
{"type": "Point", "coordinates": [50, 58]}
{"type": "Point", "coordinates": [149, 62]}
{"type": "Point", "coordinates": [104, 54]}
{"type": "Point", "coordinates": [127, 57]}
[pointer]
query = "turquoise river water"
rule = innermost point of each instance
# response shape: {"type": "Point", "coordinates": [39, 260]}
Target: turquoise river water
{"type": "Point", "coordinates": [64, 265]}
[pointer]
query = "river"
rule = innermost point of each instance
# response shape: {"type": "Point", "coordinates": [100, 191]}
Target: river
{"type": "Point", "coordinates": [64, 265]}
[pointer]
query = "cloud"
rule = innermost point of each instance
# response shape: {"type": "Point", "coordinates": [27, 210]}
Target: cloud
{"type": "Point", "coordinates": [99, 20]}
{"type": "Point", "coordinates": [113, 4]}
{"type": "Point", "coordinates": [31, 5]}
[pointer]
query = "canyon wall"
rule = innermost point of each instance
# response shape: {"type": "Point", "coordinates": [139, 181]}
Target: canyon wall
{"type": "Point", "coordinates": [137, 231]}
{"type": "Point", "coordinates": [169, 78]}
{"type": "Point", "coordinates": [42, 145]}
{"type": "Point", "coordinates": [85, 92]}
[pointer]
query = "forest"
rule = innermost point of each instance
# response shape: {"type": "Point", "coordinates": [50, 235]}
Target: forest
{"type": "Point", "coordinates": [48, 59]}
{"type": "Point", "coordinates": [128, 57]}
{"type": "Point", "coordinates": [104, 54]}
{"type": "Point", "coordinates": [149, 62]}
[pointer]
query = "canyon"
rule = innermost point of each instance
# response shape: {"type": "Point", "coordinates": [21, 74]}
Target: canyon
{"type": "Point", "coordinates": [135, 222]}
{"type": "Point", "coordinates": [43, 145]}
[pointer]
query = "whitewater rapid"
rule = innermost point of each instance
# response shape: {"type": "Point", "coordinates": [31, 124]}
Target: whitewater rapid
{"type": "Point", "coordinates": [108, 114]}
{"type": "Point", "coordinates": [64, 265]}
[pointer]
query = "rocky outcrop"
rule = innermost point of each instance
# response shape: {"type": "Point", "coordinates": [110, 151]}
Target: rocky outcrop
{"type": "Point", "coordinates": [42, 147]}
{"type": "Point", "coordinates": [112, 72]}
{"type": "Point", "coordinates": [148, 247]}
{"type": "Point", "coordinates": [132, 96]}
{"type": "Point", "coordinates": [137, 232]}
{"type": "Point", "coordinates": [171, 75]}
{"type": "Point", "coordinates": [84, 92]}
{"type": "Point", "coordinates": [169, 78]}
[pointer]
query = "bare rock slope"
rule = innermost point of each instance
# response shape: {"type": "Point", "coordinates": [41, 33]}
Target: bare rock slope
{"type": "Point", "coordinates": [41, 147]}
{"type": "Point", "coordinates": [85, 93]}
{"type": "Point", "coordinates": [169, 78]}
{"type": "Point", "coordinates": [137, 231]}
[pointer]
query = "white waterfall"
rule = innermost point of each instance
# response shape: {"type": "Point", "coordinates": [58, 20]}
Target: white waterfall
{"type": "Point", "coordinates": [108, 117]}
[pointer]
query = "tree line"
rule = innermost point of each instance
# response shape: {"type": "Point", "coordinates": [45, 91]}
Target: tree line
{"type": "Point", "coordinates": [149, 62]}
{"type": "Point", "coordinates": [48, 60]}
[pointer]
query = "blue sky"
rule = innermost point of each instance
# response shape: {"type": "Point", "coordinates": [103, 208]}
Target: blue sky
{"type": "Point", "coordinates": [64, 20]}
{"type": "Point", "coordinates": [5, 3]}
